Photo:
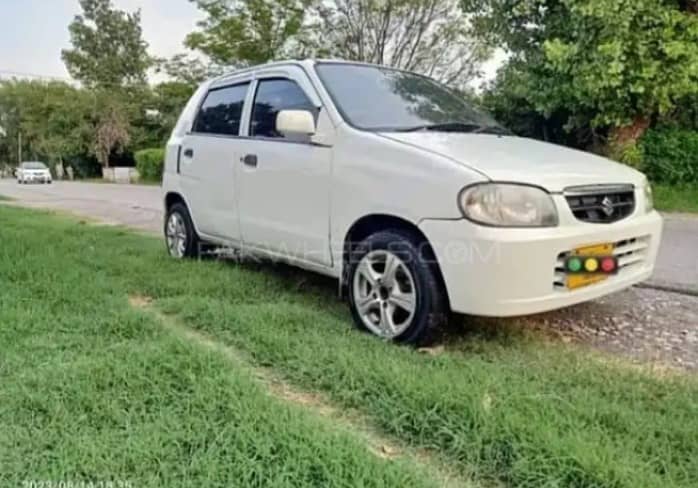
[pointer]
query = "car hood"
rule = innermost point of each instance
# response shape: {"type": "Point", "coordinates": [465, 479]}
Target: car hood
{"type": "Point", "coordinates": [517, 159]}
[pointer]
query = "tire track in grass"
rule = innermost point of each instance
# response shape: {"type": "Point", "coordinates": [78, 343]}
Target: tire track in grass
{"type": "Point", "coordinates": [354, 423]}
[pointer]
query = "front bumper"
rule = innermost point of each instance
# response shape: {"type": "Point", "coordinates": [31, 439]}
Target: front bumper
{"type": "Point", "coordinates": [508, 272]}
{"type": "Point", "coordinates": [36, 179]}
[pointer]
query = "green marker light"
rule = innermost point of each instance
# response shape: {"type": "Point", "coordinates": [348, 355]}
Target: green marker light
{"type": "Point", "coordinates": [574, 265]}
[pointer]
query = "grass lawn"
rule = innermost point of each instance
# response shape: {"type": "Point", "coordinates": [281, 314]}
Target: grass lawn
{"type": "Point", "coordinates": [676, 198]}
{"type": "Point", "coordinates": [93, 388]}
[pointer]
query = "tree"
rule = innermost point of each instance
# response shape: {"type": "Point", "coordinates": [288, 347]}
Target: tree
{"type": "Point", "coordinates": [628, 61]}
{"type": "Point", "coordinates": [188, 70]}
{"type": "Point", "coordinates": [164, 108]}
{"type": "Point", "coordinates": [55, 119]}
{"type": "Point", "coordinates": [112, 132]}
{"type": "Point", "coordinates": [247, 32]}
{"type": "Point", "coordinates": [617, 64]}
{"type": "Point", "coordinates": [108, 46]}
{"type": "Point", "coordinates": [427, 36]}
{"type": "Point", "coordinates": [431, 37]}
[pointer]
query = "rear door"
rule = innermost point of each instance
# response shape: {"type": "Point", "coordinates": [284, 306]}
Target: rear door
{"type": "Point", "coordinates": [208, 157]}
{"type": "Point", "coordinates": [284, 181]}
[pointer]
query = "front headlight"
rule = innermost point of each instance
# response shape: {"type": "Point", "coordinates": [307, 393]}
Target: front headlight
{"type": "Point", "coordinates": [649, 198]}
{"type": "Point", "coordinates": [508, 205]}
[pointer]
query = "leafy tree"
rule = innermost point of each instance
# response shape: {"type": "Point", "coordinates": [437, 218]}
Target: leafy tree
{"type": "Point", "coordinates": [164, 107]}
{"type": "Point", "coordinates": [427, 36]}
{"type": "Point", "coordinates": [246, 32]}
{"type": "Point", "coordinates": [112, 131]}
{"type": "Point", "coordinates": [55, 119]}
{"type": "Point", "coordinates": [108, 46]}
{"type": "Point", "coordinates": [626, 60]}
{"type": "Point", "coordinates": [188, 70]}
{"type": "Point", "coordinates": [616, 64]}
{"type": "Point", "coordinates": [431, 37]}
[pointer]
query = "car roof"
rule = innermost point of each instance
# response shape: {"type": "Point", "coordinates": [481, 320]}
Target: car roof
{"type": "Point", "coordinates": [305, 63]}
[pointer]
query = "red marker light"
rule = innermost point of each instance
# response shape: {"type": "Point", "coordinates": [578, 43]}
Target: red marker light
{"type": "Point", "coordinates": [608, 265]}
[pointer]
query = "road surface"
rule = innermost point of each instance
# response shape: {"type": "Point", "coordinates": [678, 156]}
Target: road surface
{"type": "Point", "coordinates": [140, 207]}
{"type": "Point", "coordinates": [137, 206]}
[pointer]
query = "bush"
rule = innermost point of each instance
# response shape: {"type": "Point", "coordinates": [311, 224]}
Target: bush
{"type": "Point", "coordinates": [149, 163]}
{"type": "Point", "coordinates": [670, 156]}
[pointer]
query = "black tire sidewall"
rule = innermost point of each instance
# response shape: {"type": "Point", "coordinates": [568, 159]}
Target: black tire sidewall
{"type": "Point", "coordinates": [192, 248]}
{"type": "Point", "coordinates": [429, 308]}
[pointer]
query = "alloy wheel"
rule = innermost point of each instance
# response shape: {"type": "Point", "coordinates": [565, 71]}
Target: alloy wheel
{"type": "Point", "coordinates": [176, 234]}
{"type": "Point", "coordinates": [385, 295]}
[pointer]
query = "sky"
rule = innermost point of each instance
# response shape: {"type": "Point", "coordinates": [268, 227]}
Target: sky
{"type": "Point", "coordinates": [35, 31]}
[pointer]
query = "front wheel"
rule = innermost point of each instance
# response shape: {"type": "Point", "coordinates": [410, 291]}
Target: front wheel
{"type": "Point", "coordinates": [394, 289]}
{"type": "Point", "coordinates": [180, 235]}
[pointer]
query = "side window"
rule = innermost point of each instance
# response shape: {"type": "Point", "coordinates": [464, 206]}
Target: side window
{"type": "Point", "coordinates": [273, 96]}
{"type": "Point", "coordinates": [221, 111]}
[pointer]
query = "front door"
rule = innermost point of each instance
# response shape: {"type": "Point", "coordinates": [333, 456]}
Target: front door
{"type": "Point", "coordinates": [284, 183]}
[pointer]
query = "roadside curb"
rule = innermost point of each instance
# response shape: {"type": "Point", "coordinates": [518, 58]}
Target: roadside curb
{"type": "Point", "coordinates": [669, 287]}
{"type": "Point", "coordinates": [679, 215]}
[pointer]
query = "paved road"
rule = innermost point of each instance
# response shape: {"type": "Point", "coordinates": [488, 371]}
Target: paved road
{"type": "Point", "coordinates": [137, 206]}
{"type": "Point", "coordinates": [140, 207]}
{"type": "Point", "coordinates": [677, 265]}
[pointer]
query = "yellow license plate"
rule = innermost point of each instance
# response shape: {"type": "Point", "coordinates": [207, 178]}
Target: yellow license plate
{"type": "Point", "coordinates": [575, 281]}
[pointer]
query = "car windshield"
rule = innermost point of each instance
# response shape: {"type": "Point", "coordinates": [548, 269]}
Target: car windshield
{"type": "Point", "coordinates": [33, 166]}
{"type": "Point", "coordinates": [383, 99]}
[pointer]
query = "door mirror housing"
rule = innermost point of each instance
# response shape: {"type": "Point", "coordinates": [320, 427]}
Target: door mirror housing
{"type": "Point", "coordinates": [295, 123]}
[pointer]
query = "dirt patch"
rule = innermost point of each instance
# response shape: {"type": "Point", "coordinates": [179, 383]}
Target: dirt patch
{"type": "Point", "coordinates": [139, 301]}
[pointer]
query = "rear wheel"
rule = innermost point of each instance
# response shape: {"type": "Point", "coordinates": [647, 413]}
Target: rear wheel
{"type": "Point", "coordinates": [394, 290]}
{"type": "Point", "coordinates": [180, 235]}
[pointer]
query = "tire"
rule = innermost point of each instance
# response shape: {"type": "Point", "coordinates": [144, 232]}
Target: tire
{"type": "Point", "coordinates": [406, 302]}
{"type": "Point", "coordinates": [178, 226]}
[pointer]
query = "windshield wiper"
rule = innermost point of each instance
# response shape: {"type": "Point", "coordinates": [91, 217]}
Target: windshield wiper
{"type": "Point", "coordinates": [493, 129]}
{"type": "Point", "coordinates": [444, 127]}
{"type": "Point", "coordinates": [458, 127]}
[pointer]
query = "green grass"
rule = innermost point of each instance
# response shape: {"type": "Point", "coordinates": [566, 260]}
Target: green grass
{"type": "Point", "coordinates": [676, 198]}
{"type": "Point", "coordinates": [501, 406]}
{"type": "Point", "coordinates": [93, 390]}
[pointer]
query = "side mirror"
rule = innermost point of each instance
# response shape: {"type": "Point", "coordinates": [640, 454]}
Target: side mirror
{"type": "Point", "coordinates": [295, 123]}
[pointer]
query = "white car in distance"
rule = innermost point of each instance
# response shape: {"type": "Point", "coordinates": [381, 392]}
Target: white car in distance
{"type": "Point", "coordinates": [33, 172]}
{"type": "Point", "coordinates": [415, 201]}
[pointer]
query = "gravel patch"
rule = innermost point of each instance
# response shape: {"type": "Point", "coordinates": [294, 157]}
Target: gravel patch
{"type": "Point", "coordinates": [642, 324]}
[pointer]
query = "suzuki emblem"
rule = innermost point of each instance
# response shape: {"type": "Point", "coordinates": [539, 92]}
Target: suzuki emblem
{"type": "Point", "coordinates": [607, 206]}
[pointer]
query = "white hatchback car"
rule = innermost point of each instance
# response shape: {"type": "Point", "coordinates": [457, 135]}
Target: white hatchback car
{"type": "Point", "coordinates": [33, 172]}
{"type": "Point", "coordinates": [417, 202]}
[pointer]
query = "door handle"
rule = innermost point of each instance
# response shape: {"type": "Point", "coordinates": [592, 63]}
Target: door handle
{"type": "Point", "coordinates": [189, 153]}
{"type": "Point", "coordinates": [250, 160]}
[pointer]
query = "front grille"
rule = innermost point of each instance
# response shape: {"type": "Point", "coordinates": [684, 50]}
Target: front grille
{"type": "Point", "coordinates": [630, 253]}
{"type": "Point", "coordinates": [601, 204]}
